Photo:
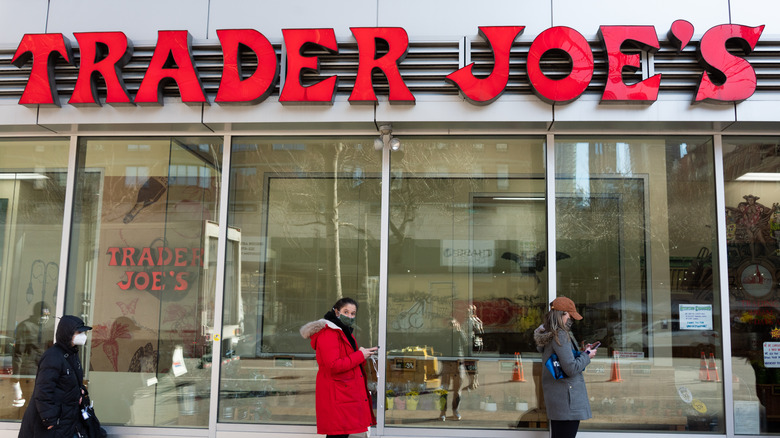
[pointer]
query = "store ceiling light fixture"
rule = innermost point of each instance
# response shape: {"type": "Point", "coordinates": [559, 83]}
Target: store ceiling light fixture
{"type": "Point", "coordinates": [386, 139]}
{"type": "Point", "coordinates": [760, 176]}
{"type": "Point", "coordinates": [15, 176]}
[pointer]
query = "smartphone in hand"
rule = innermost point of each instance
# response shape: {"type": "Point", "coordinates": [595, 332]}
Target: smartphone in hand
{"type": "Point", "coordinates": [593, 346]}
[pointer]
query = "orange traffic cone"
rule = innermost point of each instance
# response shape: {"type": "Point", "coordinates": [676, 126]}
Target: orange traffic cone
{"type": "Point", "coordinates": [517, 372]}
{"type": "Point", "coordinates": [615, 368]}
{"type": "Point", "coordinates": [714, 377]}
{"type": "Point", "coordinates": [704, 371]}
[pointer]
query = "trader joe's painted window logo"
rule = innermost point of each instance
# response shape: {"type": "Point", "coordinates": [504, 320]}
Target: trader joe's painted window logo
{"type": "Point", "coordinates": [160, 266]}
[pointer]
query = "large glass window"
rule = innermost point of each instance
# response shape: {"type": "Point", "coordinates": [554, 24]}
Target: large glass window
{"type": "Point", "coordinates": [32, 199]}
{"type": "Point", "coordinates": [636, 240]}
{"type": "Point", "coordinates": [466, 283]}
{"type": "Point", "coordinates": [142, 272]}
{"type": "Point", "coordinates": [304, 232]}
{"type": "Point", "coordinates": [751, 167]}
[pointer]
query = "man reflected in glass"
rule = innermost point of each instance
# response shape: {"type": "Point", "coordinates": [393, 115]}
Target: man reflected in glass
{"type": "Point", "coordinates": [452, 371]}
{"type": "Point", "coordinates": [33, 336]}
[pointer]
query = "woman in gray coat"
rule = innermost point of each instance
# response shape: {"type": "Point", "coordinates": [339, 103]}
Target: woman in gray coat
{"type": "Point", "coordinates": [566, 399]}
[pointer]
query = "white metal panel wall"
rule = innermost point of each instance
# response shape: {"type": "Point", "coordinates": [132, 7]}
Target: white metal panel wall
{"type": "Point", "coordinates": [761, 107]}
{"type": "Point", "coordinates": [172, 116]}
{"type": "Point", "coordinates": [756, 12]}
{"type": "Point", "coordinates": [139, 20]}
{"type": "Point", "coordinates": [587, 17]}
{"type": "Point", "coordinates": [272, 115]}
{"type": "Point", "coordinates": [435, 18]}
{"type": "Point", "coordinates": [454, 20]}
{"type": "Point", "coordinates": [16, 19]}
{"type": "Point", "coordinates": [669, 108]}
{"type": "Point", "coordinates": [428, 23]}
{"type": "Point", "coordinates": [271, 17]}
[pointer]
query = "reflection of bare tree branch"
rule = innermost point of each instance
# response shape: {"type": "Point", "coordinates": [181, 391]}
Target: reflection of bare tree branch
{"type": "Point", "coordinates": [304, 208]}
{"type": "Point", "coordinates": [360, 231]}
{"type": "Point", "coordinates": [335, 221]}
{"type": "Point", "coordinates": [308, 223]}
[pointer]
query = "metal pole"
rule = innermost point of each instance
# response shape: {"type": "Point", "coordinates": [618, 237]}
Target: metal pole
{"type": "Point", "coordinates": [381, 380]}
{"type": "Point", "coordinates": [216, 346]}
{"type": "Point", "coordinates": [723, 281]}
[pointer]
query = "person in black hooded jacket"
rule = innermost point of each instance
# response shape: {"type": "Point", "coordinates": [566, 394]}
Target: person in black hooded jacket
{"type": "Point", "coordinates": [55, 410]}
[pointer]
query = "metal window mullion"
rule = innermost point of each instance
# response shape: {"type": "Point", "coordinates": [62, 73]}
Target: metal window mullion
{"type": "Point", "coordinates": [552, 267]}
{"type": "Point", "coordinates": [283, 68]}
{"type": "Point", "coordinates": [723, 281]}
{"type": "Point", "coordinates": [67, 224]}
{"type": "Point", "coordinates": [464, 50]}
{"type": "Point", "coordinates": [216, 346]}
{"type": "Point", "coordinates": [648, 69]}
{"type": "Point", "coordinates": [383, 260]}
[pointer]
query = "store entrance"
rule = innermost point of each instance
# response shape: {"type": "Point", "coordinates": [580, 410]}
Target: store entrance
{"type": "Point", "coordinates": [143, 265]}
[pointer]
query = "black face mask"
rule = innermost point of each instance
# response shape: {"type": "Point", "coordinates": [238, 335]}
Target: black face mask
{"type": "Point", "coordinates": [569, 323]}
{"type": "Point", "coordinates": [346, 320]}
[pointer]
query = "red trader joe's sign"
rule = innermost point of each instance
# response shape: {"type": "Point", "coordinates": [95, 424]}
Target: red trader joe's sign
{"type": "Point", "coordinates": [162, 266]}
{"type": "Point", "coordinates": [725, 77]}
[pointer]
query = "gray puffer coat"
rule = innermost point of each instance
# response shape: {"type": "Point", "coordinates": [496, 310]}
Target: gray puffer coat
{"type": "Point", "coordinates": [567, 398]}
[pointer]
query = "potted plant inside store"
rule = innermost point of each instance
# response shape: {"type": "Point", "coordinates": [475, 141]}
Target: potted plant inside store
{"type": "Point", "coordinates": [509, 402]}
{"type": "Point", "coordinates": [441, 399]}
{"type": "Point", "coordinates": [412, 398]}
{"type": "Point", "coordinates": [490, 404]}
{"type": "Point", "coordinates": [426, 402]}
{"type": "Point", "coordinates": [389, 398]}
{"type": "Point", "coordinates": [521, 405]}
{"type": "Point", "coordinates": [400, 402]}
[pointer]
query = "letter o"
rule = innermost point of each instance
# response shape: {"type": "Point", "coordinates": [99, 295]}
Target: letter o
{"type": "Point", "coordinates": [142, 280]}
{"type": "Point", "coordinates": [576, 46]}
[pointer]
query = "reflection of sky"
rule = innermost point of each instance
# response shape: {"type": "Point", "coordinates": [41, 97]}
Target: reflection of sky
{"type": "Point", "coordinates": [136, 175]}
{"type": "Point", "coordinates": [623, 159]}
{"type": "Point", "coordinates": [582, 172]}
{"type": "Point", "coordinates": [189, 175]}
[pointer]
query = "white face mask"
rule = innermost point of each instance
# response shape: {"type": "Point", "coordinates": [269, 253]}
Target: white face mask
{"type": "Point", "coordinates": [80, 338]}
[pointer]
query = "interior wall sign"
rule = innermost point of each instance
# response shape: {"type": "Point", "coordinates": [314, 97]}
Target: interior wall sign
{"type": "Point", "coordinates": [725, 77]}
{"type": "Point", "coordinates": [158, 267]}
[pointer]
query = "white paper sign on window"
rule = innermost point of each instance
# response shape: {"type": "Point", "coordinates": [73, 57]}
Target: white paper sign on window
{"type": "Point", "coordinates": [747, 419]}
{"type": "Point", "coordinates": [772, 354]}
{"type": "Point", "coordinates": [695, 316]}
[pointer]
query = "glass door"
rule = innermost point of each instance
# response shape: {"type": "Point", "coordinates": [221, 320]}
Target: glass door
{"type": "Point", "coordinates": [142, 273]}
{"type": "Point", "coordinates": [635, 227]}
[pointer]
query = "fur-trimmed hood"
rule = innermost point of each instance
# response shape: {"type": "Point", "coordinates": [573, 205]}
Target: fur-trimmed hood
{"type": "Point", "coordinates": [542, 337]}
{"type": "Point", "coordinates": [311, 328]}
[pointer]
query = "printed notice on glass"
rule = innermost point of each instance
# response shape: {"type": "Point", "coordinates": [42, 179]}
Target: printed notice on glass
{"type": "Point", "coordinates": [475, 253]}
{"type": "Point", "coordinates": [772, 354]}
{"type": "Point", "coordinates": [746, 418]}
{"type": "Point", "coordinates": [695, 316]}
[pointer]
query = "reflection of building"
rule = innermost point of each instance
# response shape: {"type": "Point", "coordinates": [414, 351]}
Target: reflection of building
{"type": "Point", "coordinates": [196, 238]}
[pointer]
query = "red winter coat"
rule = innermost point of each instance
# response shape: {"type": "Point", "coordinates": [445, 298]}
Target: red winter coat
{"type": "Point", "coordinates": [343, 403]}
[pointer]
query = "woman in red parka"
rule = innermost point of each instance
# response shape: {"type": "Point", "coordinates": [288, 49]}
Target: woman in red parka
{"type": "Point", "coordinates": [343, 402]}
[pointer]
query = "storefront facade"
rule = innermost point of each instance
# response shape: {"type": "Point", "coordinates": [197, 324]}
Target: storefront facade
{"type": "Point", "coordinates": [199, 179]}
